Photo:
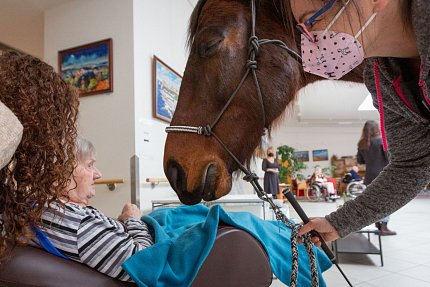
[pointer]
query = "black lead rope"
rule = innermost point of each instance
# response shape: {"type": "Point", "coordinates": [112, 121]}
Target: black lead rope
{"type": "Point", "coordinates": [251, 66]}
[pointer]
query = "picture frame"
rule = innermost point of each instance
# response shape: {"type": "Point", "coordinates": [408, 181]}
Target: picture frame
{"type": "Point", "coordinates": [320, 155]}
{"type": "Point", "coordinates": [89, 67]}
{"type": "Point", "coordinates": [166, 85]}
{"type": "Point", "coordinates": [301, 155]}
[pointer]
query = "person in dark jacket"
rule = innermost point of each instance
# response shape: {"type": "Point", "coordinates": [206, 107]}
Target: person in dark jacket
{"type": "Point", "coordinates": [354, 174]}
{"type": "Point", "coordinates": [393, 39]}
{"type": "Point", "coordinates": [372, 154]}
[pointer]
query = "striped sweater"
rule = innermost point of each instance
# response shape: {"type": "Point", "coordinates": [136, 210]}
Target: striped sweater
{"type": "Point", "coordinates": [88, 236]}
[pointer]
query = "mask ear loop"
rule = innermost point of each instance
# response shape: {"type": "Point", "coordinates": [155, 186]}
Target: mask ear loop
{"type": "Point", "coordinates": [365, 25]}
{"type": "Point", "coordinates": [335, 18]}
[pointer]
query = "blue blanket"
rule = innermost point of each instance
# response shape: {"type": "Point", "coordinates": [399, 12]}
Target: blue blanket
{"type": "Point", "coordinates": [185, 235]}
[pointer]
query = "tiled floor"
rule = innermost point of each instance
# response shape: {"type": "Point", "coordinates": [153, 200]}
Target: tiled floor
{"type": "Point", "coordinates": [406, 255]}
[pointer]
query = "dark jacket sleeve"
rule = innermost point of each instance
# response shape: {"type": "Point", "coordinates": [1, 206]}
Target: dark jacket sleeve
{"type": "Point", "coordinates": [400, 181]}
{"type": "Point", "coordinates": [360, 157]}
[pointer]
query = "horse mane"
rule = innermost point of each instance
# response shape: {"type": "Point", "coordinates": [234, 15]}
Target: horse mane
{"type": "Point", "coordinates": [278, 8]}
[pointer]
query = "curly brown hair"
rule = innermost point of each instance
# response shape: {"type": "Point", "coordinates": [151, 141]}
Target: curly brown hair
{"type": "Point", "coordinates": [41, 167]}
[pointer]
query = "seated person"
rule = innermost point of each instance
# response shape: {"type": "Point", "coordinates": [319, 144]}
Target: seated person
{"type": "Point", "coordinates": [86, 235]}
{"type": "Point", "coordinates": [354, 174]}
{"type": "Point", "coordinates": [38, 112]}
{"type": "Point", "coordinates": [118, 248]}
{"type": "Point", "coordinates": [320, 179]}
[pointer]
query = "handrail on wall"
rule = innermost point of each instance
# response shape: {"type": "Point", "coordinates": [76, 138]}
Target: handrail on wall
{"type": "Point", "coordinates": [156, 181]}
{"type": "Point", "coordinates": [111, 183]}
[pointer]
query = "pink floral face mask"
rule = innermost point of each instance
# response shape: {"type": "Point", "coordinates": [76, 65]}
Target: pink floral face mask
{"type": "Point", "coordinates": [332, 55]}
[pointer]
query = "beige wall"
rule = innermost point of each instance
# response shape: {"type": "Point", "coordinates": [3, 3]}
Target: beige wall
{"type": "Point", "coordinates": [120, 124]}
{"type": "Point", "coordinates": [21, 27]}
{"type": "Point", "coordinates": [105, 119]}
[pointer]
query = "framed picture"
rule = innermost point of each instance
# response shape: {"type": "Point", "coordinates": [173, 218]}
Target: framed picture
{"type": "Point", "coordinates": [320, 155]}
{"type": "Point", "coordinates": [166, 84]}
{"type": "Point", "coordinates": [88, 67]}
{"type": "Point", "coordinates": [301, 155]}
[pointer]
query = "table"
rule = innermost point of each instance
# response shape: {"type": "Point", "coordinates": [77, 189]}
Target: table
{"type": "Point", "coordinates": [357, 243]}
{"type": "Point", "coordinates": [231, 198]}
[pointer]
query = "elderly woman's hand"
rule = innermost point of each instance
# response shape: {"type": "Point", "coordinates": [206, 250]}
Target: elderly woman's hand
{"type": "Point", "coordinates": [129, 211]}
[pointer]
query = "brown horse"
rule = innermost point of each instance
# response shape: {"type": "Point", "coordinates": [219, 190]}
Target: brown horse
{"type": "Point", "coordinates": [197, 166]}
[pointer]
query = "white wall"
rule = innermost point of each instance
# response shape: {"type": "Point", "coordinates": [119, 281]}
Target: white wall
{"type": "Point", "coordinates": [339, 140]}
{"type": "Point", "coordinates": [325, 117]}
{"type": "Point", "coordinates": [105, 119]}
{"type": "Point", "coordinates": [159, 29]}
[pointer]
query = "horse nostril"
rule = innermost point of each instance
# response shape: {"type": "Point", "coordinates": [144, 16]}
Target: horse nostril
{"type": "Point", "coordinates": [210, 183]}
{"type": "Point", "coordinates": [176, 176]}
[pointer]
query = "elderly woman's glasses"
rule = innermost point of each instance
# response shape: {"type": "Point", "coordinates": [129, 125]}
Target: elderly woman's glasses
{"type": "Point", "coordinates": [302, 27]}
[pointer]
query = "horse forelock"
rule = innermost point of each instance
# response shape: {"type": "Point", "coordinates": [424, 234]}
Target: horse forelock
{"type": "Point", "coordinates": [193, 22]}
{"type": "Point", "coordinates": [280, 10]}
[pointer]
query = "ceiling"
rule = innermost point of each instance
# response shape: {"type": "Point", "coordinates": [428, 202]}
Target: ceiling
{"type": "Point", "coordinates": [332, 102]}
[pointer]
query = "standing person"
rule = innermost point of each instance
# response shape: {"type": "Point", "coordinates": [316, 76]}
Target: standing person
{"type": "Point", "coordinates": [393, 37]}
{"type": "Point", "coordinates": [37, 158]}
{"type": "Point", "coordinates": [372, 154]}
{"type": "Point", "coordinates": [271, 169]}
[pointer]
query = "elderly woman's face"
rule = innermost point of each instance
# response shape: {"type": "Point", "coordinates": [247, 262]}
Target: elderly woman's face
{"type": "Point", "coordinates": [84, 175]}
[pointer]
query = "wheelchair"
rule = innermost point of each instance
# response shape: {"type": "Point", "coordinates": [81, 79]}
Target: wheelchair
{"type": "Point", "coordinates": [353, 187]}
{"type": "Point", "coordinates": [318, 192]}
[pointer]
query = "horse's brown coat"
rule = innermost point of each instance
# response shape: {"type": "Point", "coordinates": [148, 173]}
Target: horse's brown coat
{"type": "Point", "coordinates": [197, 167]}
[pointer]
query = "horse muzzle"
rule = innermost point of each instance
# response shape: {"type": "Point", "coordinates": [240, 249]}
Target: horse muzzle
{"type": "Point", "coordinates": [207, 180]}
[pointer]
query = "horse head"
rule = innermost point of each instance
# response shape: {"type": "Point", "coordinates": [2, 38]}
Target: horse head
{"type": "Point", "coordinates": [219, 95]}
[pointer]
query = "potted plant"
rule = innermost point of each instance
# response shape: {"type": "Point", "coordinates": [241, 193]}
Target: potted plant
{"type": "Point", "coordinates": [289, 167]}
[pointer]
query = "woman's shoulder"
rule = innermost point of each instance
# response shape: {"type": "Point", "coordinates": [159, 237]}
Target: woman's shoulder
{"type": "Point", "coordinates": [376, 140]}
{"type": "Point", "coordinates": [59, 217]}
{"type": "Point", "coordinates": [71, 211]}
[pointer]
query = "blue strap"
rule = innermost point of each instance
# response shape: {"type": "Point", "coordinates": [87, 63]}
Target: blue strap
{"type": "Point", "coordinates": [320, 12]}
{"type": "Point", "coordinates": [46, 244]}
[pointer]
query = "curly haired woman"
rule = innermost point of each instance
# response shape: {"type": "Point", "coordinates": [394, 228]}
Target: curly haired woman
{"type": "Point", "coordinates": [38, 170]}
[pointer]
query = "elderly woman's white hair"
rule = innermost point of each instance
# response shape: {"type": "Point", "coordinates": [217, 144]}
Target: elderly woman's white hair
{"type": "Point", "coordinates": [84, 148]}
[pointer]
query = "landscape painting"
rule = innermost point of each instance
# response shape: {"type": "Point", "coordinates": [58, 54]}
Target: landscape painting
{"type": "Point", "coordinates": [166, 83]}
{"type": "Point", "coordinates": [301, 155]}
{"type": "Point", "coordinates": [320, 155]}
{"type": "Point", "coordinates": [88, 67]}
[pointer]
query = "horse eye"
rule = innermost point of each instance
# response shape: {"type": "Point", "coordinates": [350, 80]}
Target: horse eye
{"type": "Point", "coordinates": [207, 49]}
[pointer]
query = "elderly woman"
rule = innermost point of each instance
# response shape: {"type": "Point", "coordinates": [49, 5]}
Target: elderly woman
{"type": "Point", "coordinates": [86, 235]}
{"type": "Point", "coordinates": [38, 111]}
{"type": "Point", "coordinates": [320, 179]}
